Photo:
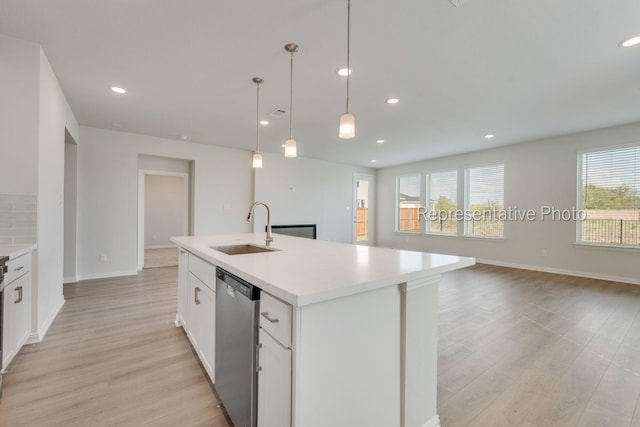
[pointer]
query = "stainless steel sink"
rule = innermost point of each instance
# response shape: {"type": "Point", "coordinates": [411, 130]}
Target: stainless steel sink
{"type": "Point", "coordinates": [242, 249]}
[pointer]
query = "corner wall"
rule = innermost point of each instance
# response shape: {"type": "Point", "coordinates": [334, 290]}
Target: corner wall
{"type": "Point", "coordinates": [108, 195]}
{"type": "Point", "coordinates": [538, 173]}
{"type": "Point", "coordinates": [308, 191]}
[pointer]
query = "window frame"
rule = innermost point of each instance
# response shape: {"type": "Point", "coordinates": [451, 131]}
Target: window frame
{"type": "Point", "coordinates": [467, 211]}
{"type": "Point", "coordinates": [427, 200]}
{"type": "Point", "coordinates": [420, 176]}
{"type": "Point", "coordinates": [579, 196]}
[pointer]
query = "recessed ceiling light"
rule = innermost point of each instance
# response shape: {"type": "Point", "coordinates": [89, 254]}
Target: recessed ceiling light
{"type": "Point", "coordinates": [380, 141]}
{"type": "Point", "coordinates": [373, 161]}
{"type": "Point", "coordinates": [264, 122]}
{"type": "Point", "coordinates": [342, 72]}
{"type": "Point", "coordinates": [392, 100]}
{"type": "Point", "coordinates": [630, 41]}
{"type": "Point", "coordinates": [118, 89]}
{"type": "Point", "coordinates": [489, 136]}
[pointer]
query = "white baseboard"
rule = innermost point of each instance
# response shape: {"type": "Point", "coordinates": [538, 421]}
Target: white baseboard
{"type": "Point", "coordinates": [160, 247]}
{"type": "Point", "coordinates": [72, 279]}
{"type": "Point", "coordinates": [107, 275]}
{"type": "Point", "coordinates": [43, 328]}
{"type": "Point", "coordinates": [630, 280]}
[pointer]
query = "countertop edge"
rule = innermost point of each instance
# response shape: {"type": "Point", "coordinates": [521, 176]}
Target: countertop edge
{"type": "Point", "coordinates": [15, 251]}
{"type": "Point", "coordinates": [321, 296]}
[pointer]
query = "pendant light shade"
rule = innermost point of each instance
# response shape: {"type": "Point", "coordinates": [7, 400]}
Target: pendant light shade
{"type": "Point", "coordinates": [257, 161]}
{"type": "Point", "coordinates": [257, 157]}
{"type": "Point", "coordinates": [347, 126]}
{"type": "Point", "coordinates": [347, 129]}
{"type": "Point", "coordinates": [290, 148]}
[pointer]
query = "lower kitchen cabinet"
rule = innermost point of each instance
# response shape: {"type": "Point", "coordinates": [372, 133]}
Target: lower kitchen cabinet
{"type": "Point", "coordinates": [17, 311]}
{"type": "Point", "coordinates": [274, 383]}
{"type": "Point", "coordinates": [201, 322]}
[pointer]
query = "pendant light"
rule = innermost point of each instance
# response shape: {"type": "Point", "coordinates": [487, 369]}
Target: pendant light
{"type": "Point", "coordinates": [347, 120]}
{"type": "Point", "coordinates": [257, 157]}
{"type": "Point", "coordinates": [290, 149]}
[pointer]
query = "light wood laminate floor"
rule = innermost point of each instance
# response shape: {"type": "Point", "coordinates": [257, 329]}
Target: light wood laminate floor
{"type": "Point", "coordinates": [516, 348]}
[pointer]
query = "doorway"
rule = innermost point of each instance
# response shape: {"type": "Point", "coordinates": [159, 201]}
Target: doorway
{"type": "Point", "coordinates": [362, 214]}
{"type": "Point", "coordinates": [70, 208]}
{"type": "Point", "coordinates": [163, 212]}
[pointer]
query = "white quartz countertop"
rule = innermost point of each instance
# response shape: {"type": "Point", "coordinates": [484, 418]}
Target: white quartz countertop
{"type": "Point", "coordinates": [306, 271]}
{"type": "Point", "coordinates": [14, 251]}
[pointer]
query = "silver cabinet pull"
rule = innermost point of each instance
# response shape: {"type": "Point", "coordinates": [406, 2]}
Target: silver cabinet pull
{"type": "Point", "coordinates": [265, 314]}
{"type": "Point", "coordinates": [19, 300]}
{"type": "Point", "coordinates": [18, 268]}
{"type": "Point", "coordinates": [196, 296]}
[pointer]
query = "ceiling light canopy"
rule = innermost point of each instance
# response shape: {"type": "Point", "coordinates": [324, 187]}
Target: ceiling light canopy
{"type": "Point", "coordinates": [347, 129]}
{"type": "Point", "coordinates": [118, 89]}
{"type": "Point", "coordinates": [290, 147]}
{"type": "Point", "coordinates": [392, 100]}
{"type": "Point", "coordinates": [631, 41]}
{"type": "Point", "coordinates": [380, 141]}
{"type": "Point", "coordinates": [257, 157]}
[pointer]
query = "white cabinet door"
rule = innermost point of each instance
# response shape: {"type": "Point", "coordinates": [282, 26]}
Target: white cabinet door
{"type": "Point", "coordinates": [16, 317]}
{"type": "Point", "coordinates": [183, 288]}
{"type": "Point", "coordinates": [274, 383]}
{"type": "Point", "coordinates": [201, 317]}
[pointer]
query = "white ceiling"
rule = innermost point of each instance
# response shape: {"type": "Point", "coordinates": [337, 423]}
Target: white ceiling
{"type": "Point", "coordinates": [520, 69]}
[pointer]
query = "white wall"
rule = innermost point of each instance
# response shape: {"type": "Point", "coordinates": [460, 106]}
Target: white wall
{"type": "Point", "coordinates": [539, 173]}
{"type": "Point", "coordinates": [165, 209]}
{"type": "Point", "coordinates": [108, 194]}
{"type": "Point", "coordinates": [307, 191]}
{"type": "Point", "coordinates": [55, 116]}
{"type": "Point", "coordinates": [19, 100]}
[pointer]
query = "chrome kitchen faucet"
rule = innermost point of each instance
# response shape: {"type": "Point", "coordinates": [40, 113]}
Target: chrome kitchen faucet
{"type": "Point", "coordinates": [269, 239]}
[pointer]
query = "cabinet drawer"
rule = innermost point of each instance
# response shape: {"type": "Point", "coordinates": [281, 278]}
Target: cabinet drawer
{"type": "Point", "coordinates": [203, 271]}
{"type": "Point", "coordinates": [275, 318]}
{"type": "Point", "coordinates": [18, 267]}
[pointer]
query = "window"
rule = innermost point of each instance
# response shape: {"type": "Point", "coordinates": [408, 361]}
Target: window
{"type": "Point", "coordinates": [609, 197]}
{"type": "Point", "coordinates": [443, 202]}
{"type": "Point", "coordinates": [408, 198]}
{"type": "Point", "coordinates": [484, 200]}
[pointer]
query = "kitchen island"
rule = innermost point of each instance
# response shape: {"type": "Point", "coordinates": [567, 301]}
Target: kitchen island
{"type": "Point", "coordinates": [355, 343]}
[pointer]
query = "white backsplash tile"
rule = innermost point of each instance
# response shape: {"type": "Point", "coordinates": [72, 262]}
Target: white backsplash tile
{"type": "Point", "coordinates": [18, 215]}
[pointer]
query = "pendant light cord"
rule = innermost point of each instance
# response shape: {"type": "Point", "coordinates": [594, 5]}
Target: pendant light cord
{"type": "Point", "coordinates": [258, 118]}
{"type": "Point", "coordinates": [348, 50]}
{"type": "Point", "coordinates": [291, 98]}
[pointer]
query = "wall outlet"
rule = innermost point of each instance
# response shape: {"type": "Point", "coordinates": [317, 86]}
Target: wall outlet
{"type": "Point", "coordinates": [102, 258]}
{"type": "Point", "coordinates": [543, 252]}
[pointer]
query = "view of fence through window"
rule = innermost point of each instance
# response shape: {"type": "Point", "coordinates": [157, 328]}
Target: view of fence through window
{"type": "Point", "coordinates": [443, 199]}
{"type": "Point", "coordinates": [409, 189]}
{"type": "Point", "coordinates": [610, 196]}
{"type": "Point", "coordinates": [485, 201]}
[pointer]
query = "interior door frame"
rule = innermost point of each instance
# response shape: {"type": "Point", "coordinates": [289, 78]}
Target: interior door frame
{"type": "Point", "coordinates": [357, 176]}
{"type": "Point", "coordinates": [142, 173]}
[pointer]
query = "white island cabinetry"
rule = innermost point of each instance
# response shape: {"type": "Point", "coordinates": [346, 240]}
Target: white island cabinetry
{"type": "Point", "coordinates": [274, 358]}
{"type": "Point", "coordinates": [197, 306]}
{"type": "Point", "coordinates": [348, 334]}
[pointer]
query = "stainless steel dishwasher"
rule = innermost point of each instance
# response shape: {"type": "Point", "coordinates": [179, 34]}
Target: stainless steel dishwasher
{"type": "Point", "coordinates": [237, 310]}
